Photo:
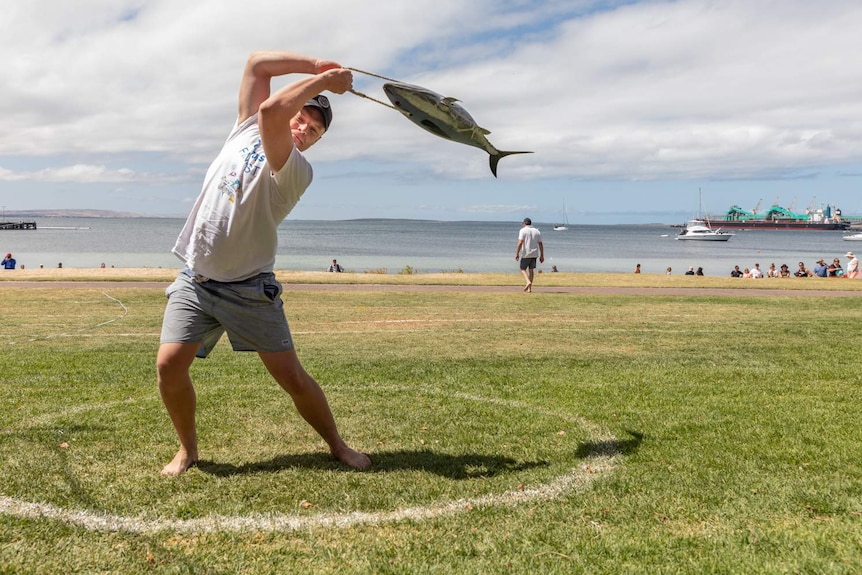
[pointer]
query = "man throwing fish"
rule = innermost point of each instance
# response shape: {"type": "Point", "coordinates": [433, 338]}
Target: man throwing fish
{"type": "Point", "coordinates": [229, 241]}
{"type": "Point", "coordinates": [529, 248]}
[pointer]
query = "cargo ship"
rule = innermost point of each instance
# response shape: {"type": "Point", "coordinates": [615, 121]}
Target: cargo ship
{"type": "Point", "coordinates": [780, 218]}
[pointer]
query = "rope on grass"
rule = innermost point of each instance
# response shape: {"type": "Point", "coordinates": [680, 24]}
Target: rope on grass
{"type": "Point", "coordinates": [83, 329]}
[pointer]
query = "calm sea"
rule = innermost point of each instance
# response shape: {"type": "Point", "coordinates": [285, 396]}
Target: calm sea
{"type": "Point", "coordinates": [427, 246]}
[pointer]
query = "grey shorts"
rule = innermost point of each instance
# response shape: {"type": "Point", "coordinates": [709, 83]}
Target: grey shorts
{"type": "Point", "coordinates": [528, 263]}
{"type": "Point", "coordinates": [250, 311]}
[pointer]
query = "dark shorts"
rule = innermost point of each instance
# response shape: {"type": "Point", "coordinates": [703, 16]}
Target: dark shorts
{"type": "Point", "coordinates": [528, 263]}
{"type": "Point", "coordinates": [250, 311]}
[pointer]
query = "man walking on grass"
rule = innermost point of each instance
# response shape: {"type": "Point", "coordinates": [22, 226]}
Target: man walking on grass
{"type": "Point", "coordinates": [529, 248]}
{"type": "Point", "coordinates": [229, 241]}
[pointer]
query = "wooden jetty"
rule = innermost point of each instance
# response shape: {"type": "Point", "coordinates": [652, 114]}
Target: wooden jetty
{"type": "Point", "coordinates": [17, 225]}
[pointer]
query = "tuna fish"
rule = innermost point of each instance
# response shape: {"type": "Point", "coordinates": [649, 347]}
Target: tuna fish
{"type": "Point", "coordinates": [442, 116]}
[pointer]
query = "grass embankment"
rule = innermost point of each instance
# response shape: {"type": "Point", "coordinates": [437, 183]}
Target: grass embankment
{"type": "Point", "coordinates": [592, 280]}
{"type": "Point", "coordinates": [732, 423]}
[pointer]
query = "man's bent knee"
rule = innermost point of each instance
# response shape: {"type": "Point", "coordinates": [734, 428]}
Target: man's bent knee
{"type": "Point", "coordinates": [174, 359]}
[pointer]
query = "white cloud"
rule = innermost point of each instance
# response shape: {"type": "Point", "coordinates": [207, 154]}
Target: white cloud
{"type": "Point", "coordinates": [89, 174]}
{"type": "Point", "coordinates": [628, 91]}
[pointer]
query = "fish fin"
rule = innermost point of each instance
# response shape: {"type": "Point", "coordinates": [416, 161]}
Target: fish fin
{"type": "Point", "coordinates": [473, 130]}
{"type": "Point", "coordinates": [448, 100]}
{"type": "Point", "coordinates": [434, 129]}
{"type": "Point", "coordinates": [495, 159]}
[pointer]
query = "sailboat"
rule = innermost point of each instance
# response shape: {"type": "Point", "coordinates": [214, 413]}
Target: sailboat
{"type": "Point", "coordinates": [565, 226]}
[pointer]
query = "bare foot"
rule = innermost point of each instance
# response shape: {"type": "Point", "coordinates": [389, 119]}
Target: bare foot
{"type": "Point", "coordinates": [352, 458]}
{"type": "Point", "coordinates": [181, 463]}
{"type": "Point", "coordinates": [528, 287]}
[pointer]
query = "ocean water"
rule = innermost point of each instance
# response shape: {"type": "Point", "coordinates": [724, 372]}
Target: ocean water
{"type": "Point", "coordinates": [426, 246]}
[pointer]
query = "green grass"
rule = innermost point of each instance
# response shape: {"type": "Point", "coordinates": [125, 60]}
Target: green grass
{"type": "Point", "coordinates": [733, 422]}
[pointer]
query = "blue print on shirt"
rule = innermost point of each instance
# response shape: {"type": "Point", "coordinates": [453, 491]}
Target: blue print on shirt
{"type": "Point", "coordinates": [230, 186]}
{"type": "Point", "coordinates": [253, 159]}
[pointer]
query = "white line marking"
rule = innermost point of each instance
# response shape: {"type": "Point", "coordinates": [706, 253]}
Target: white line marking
{"type": "Point", "coordinates": [577, 479]}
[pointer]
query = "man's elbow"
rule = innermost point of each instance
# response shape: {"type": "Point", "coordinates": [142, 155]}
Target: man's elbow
{"type": "Point", "coordinates": [252, 61]}
{"type": "Point", "coordinates": [256, 56]}
{"type": "Point", "coordinates": [256, 64]}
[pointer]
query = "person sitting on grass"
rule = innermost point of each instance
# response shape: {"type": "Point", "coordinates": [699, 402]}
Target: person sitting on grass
{"type": "Point", "coordinates": [852, 266]}
{"type": "Point", "coordinates": [756, 272]}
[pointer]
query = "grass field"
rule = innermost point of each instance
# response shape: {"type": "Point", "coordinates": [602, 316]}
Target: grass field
{"type": "Point", "coordinates": [548, 432]}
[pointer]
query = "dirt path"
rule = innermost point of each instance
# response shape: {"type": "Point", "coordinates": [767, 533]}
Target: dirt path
{"type": "Point", "coordinates": [646, 291]}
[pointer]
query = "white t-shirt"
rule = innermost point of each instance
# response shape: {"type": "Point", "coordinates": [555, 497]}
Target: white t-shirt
{"type": "Point", "coordinates": [531, 238]}
{"type": "Point", "coordinates": [231, 232]}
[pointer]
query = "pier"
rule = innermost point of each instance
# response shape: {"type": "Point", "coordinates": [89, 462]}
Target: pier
{"type": "Point", "coordinates": [17, 225]}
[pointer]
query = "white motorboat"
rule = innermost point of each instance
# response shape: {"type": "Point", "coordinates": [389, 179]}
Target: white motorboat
{"type": "Point", "coordinates": [701, 230]}
{"type": "Point", "coordinates": [853, 237]}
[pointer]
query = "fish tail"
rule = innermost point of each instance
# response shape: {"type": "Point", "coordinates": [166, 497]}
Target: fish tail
{"type": "Point", "coordinates": [499, 155]}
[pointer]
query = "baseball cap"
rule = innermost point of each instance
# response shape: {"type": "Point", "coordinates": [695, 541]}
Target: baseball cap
{"type": "Point", "coordinates": [321, 102]}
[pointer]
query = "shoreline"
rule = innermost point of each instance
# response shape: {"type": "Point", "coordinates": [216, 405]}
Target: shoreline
{"type": "Point", "coordinates": [562, 282]}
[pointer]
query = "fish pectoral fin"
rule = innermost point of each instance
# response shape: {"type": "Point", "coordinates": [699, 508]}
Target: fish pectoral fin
{"type": "Point", "coordinates": [434, 129]}
{"type": "Point", "coordinates": [474, 130]}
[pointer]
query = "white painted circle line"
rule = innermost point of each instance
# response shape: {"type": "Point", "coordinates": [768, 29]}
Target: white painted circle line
{"type": "Point", "coordinates": [579, 478]}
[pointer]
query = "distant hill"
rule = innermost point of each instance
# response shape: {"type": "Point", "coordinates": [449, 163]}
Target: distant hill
{"type": "Point", "coordinates": [21, 214]}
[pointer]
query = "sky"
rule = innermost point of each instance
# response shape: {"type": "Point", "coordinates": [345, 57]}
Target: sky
{"type": "Point", "coordinates": [635, 111]}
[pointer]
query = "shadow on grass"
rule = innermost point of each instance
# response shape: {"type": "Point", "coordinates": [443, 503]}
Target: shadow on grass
{"type": "Point", "coordinates": [53, 440]}
{"type": "Point", "coordinates": [454, 467]}
{"type": "Point", "coordinates": [610, 448]}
